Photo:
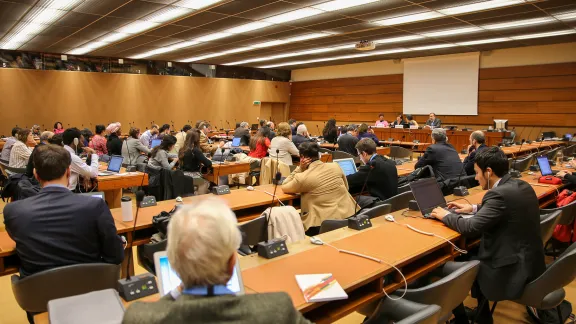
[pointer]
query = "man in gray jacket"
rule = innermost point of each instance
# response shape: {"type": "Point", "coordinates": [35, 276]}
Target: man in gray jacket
{"type": "Point", "coordinates": [133, 150]}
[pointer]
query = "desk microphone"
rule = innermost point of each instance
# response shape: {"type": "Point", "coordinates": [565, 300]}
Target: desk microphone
{"type": "Point", "coordinates": [541, 141]}
{"type": "Point", "coordinates": [228, 123]}
{"type": "Point", "coordinates": [220, 189]}
{"type": "Point", "coordinates": [319, 132]}
{"type": "Point", "coordinates": [460, 190]}
{"type": "Point", "coordinates": [530, 133]}
{"type": "Point", "coordinates": [361, 222]}
{"type": "Point", "coordinates": [513, 172]}
{"type": "Point", "coordinates": [425, 141]}
{"type": "Point", "coordinates": [520, 135]}
{"type": "Point", "coordinates": [46, 129]}
{"type": "Point", "coordinates": [221, 124]}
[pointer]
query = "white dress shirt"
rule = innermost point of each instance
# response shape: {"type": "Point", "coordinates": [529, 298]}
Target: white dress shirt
{"type": "Point", "coordinates": [80, 168]}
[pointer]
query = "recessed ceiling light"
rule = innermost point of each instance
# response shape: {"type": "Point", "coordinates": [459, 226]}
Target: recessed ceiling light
{"type": "Point", "coordinates": [203, 57]}
{"type": "Point", "coordinates": [61, 4]}
{"type": "Point", "coordinates": [429, 47]}
{"type": "Point", "coordinates": [451, 32]}
{"type": "Point", "coordinates": [408, 18]}
{"type": "Point", "coordinates": [137, 27]}
{"type": "Point", "coordinates": [484, 41]}
{"type": "Point", "coordinates": [211, 37]}
{"type": "Point", "coordinates": [479, 6]}
{"type": "Point", "coordinates": [112, 37]}
{"type": "Point", "coordinates": [343, 57]}
{"type": "Point", "coordinates": [170, 48]}
{"type": "Point", "coordinates": [167, 14]}
{"type": "Point", "coordinates": [268, 44]}
{"type": "Point", "coordinates": [549, 34]}
{"type": "Point", "coordinates": [95, 45]}
{"type": "Point", "coordinates": [398, 39]}
{"type": "Point", "coordinates": [293, 15]}
{"type": "Point", "coordinates": [183, 44]}
{"type": "Point", "coordinates": [566, 15]}
{"type": "Point", "coordinates": [341, 4]}
{"type": "Point", "coordinates": [79, 51]}
{"type": "Point", "coordinates": [44, 15]}
{"type": "Point", "coordinates": [518, 23]}
{"type": "Point", "coordinates": [11, 45]}
{"type": "Point", "coordinates": [195, 4]}
{"type": "Point", "coordinates": [300, 53]}
{"type": "Point", "coordinates": [247, 27]}
{"type": "Point", "coordinates": [305, 37]}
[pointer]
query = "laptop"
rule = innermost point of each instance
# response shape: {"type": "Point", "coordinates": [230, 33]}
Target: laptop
{"type": "Point", "coordinates": [236, 142]}
{"type": "Point", "coordinates": [95, 194]}
{"type": "Point", "coordinates": [347, 165]}
{"type": "Point", "coordinates": [428, 195]}
{"type": "Point", "coordinates": [544, 165]}
{"type": "Point", "coordinates": [114, 165]}
{"type": "Point", "coordinates": [168, 279]}
{"type": "Point", "coordinates": [155, 142]}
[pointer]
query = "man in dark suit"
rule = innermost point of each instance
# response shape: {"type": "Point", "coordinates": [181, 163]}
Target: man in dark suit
{"type": "Point", "coordinates": [205, 263]}
{"type": "Point", "coordinates": [243, 132]}
{"type": "Point", "coordinates": [511, 251]}
{"type": "Point", "coordinates": [381, 173]}
{"type": "Point", "coordinates": [347, 142]}
{"type": "Point", "coordinates": [56, 227]}
{"type": "Point", "coordinates": [476, 146]}
{"type": "Point", "coordinates": [441, 156]}
{"type": "Point", "coordinates": [433, 121]}
{"type": "Point", "coordinates": [301, 136]}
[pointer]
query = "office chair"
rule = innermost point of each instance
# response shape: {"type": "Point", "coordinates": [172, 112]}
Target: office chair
{"type": "Point", "coordinates": [567, 218]}
{"type": "Point", "coordinates": [399, 201]}
{"type": "Point", "coordinates": [552, 153]}
{"type": "Point", "coordinates": [547, 291]}
{"type": "Point", "coordinates": [400, 152]}
{"type": "Point", "coordinates": [570, 150]}
{"type": "Point", "coordinates": [11, 170]}
{"type": "Point", "coordinates": [548, 223]}
{"type": "Point", "coordinates": [325, 150]}
{"type": "Point", "coordinates": [33, 292]}
{"type": "Point", "coordinates": [341, 155]}
{"type": "Point", "coordinates": [253, 232]}
{"type": "Point", "coordinates": [332, 224]}
{"type": "Point", "coordinates": [404, 312]}
{"type": "Point", "coordinates": [522, 164]}
{"type": "Point", "coordinates": [146, 254]}
{"type": "Point", "coordinates": [376, 211]}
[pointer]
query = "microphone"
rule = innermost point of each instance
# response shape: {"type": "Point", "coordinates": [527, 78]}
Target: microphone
{"type": "Point", "coordinates": [371, 166]}
{"type": "Point", "coordinates": [513, 172]}
{"type": "Point", "coordinates": [319, 132]}
{"type": "Point", "coordinates": [220, 189]}
{"type": "Point", "coordinates": [530, 141]}
{"type": "Point", "coordinates": [425, 141]}
{"type": "Point", "coordinates": [46, 129]}
{"type": "Point", "coordinates": [520, 135]}
{"type": "Point", "coordinates": [221, 124]}
{"type": "Point", "coordinates": [460, 190]}
{"type": "Point", "coordinates": [76, 141]}
{"type": "Point", "coordinates": [227, 122]}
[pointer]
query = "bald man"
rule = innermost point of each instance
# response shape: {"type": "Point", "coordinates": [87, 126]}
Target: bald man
{"type": "Point", "coordinates": [477, 144]}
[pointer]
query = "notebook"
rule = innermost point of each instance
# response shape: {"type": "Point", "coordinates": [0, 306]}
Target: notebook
{"type": "Point", "coordinates": [311, 287]}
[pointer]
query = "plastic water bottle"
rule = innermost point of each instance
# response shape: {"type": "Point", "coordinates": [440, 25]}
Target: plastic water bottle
{"type": "Point", "coordinates": [559, 158]}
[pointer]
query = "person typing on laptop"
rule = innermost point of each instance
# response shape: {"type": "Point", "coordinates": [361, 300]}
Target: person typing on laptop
{"type": "Point", "coordinates": [568, 176]}
{"type": "Point", "coordinates": [511, 251]}
{"type": "Point", "coordinates": [201, 249]}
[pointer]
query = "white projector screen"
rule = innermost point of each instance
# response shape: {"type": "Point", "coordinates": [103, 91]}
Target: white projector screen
{"type": "Point", "coordinates": [445, 85]}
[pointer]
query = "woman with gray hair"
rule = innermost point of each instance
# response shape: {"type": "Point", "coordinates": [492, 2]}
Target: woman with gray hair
{"type": "Point", "coordinates": [202, 243]}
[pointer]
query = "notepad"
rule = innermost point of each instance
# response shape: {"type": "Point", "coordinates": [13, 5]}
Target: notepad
{"type": "Point", "coordinates": [312, 287]}
{"type": "Point", "coordinates": [101, 307]}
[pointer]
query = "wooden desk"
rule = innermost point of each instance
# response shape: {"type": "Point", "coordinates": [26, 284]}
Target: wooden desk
{"type": "Point", "coordinates": [226, 169]}
{"type": "Point", "coordinates": [526, 149]}
{"type": "Point", "coordinates": [112, 185]}
{"type": "Point", "coordinates": [380, 150]}
{"type": "Point", "coordinates": [416, 147]}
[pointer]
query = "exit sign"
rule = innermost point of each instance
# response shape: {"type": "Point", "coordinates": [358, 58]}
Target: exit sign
{"type": "Point", "coordinates": [257, 103]}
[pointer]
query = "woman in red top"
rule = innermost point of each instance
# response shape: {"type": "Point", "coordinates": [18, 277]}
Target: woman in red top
{"type": "Point", "coordinates": [98, 142]}
{"type": "Point", "coordinates": [260, 143]}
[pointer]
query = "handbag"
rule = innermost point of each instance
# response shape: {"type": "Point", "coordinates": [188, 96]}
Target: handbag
{"type": "Point", "coordinates": [161, 221]}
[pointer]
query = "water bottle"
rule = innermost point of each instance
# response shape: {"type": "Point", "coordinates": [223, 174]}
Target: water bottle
{"type": "Point", "coordinates": [126, 205]}
{"type": "Point", "coordinates": [559, 158]}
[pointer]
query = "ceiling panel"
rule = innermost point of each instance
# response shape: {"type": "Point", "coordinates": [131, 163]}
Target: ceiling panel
{"type": "Point", "coordinates": [200, 19]}
{"type": "Point", "coordinates": [274, 29]}
{"type": "Point", "coordinates": [352, 28]}
{"type": "Point", "coordinates": [374, 7]}
{"type": "Point", "coordinates": [227, 22]}
{"type": "Point", "coordinates": [239, 6]}
{"type": "Point", "coordinates": [329, 16]}
{"type": "Point", "coordinates": [436, 24]}
{"type": "Point", "coordinates": [501, 12]}
{"type": "Point", "coordinates": [59, 32]}
{"type": "Point", "coordinates": [269, 10]}
{"type": "Point", "coordinates": [136, 9]}
{"type": "Point", "coordinates": [553, 3]}
{"type": "Point", "coordinates": [12, 11]}
{"type": "Point", "coordinates": [77, 19]}
{"type": "Point", "coordinates": [99, 7]}
{"type": "Point", "coordinates": [167, 30]}
{"type": "Point", "coordinates": [334, 24]}
{"type": "Point", "coordinates": [6, 25]}
{"type": "Point", "coordinates": [562, 9]}
{"type": "Point", "coordinates": [393, 13]}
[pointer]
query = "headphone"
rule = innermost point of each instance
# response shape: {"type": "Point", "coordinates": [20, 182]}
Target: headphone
{"type": "Point", "coordinates": [76, 141]}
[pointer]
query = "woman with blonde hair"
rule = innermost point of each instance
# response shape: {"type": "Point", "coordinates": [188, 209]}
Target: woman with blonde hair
{"type": "Point", "coordinates": [281, 146]}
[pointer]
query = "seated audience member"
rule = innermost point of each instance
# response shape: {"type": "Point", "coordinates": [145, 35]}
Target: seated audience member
{"type": "Point", "coordinates": [283, 144]}
{"type": "Point", "coordinates": [410, 120]}
{"type": "Point", "coordinates": [36, 130]}
{"type": "Point", "coordinates": [441, 156]}
{"type": "Point", "coordinates": [58, 128]}
{"type": "Point", "coordinates": [197, 125]}
{"type": "Point", "coordinates": [323, 189]}
{"type": "Point", "coordinates": [181, 138]}
{"type": "Point", "coordinates": [20, 153]}
{"type": "Point", "coordinates": [433, 122]}
{"type": "Point", "coordinates": [243, 132]}
{"type": "Point", "coordinates": [57, 228]}
{"type": "Point", "coordinates": [511, 251]}
{"type": "Point", "coordinates": [476, 146]}
{"type": "Point", "coordinates": [163, 131]}
{"type": "Point", "coordinates": [259, 144]}
{"type": "Point", "coordinates": [79, 167]}
{"type": "Point", "coordinates": [7, 149]}
{"type": "Point", "coordinates": [330, 131]}
{"type": "Point", "coordinates": [566, 175]}
{"type": "Point", "coordinates": [87, 134]}
{"type": "Point", "coordinates": [191, 157]}
{"type": "Point", "coordinates": [272, 128]}
{"type": "Point", "coordinates": [301, 135]}
{"type": "Point", "coordinates": [364, 133]}
{"type": "Point", "coordinates": [98, 142]}
{"type": "Point", "coordinates": [133, 150]}
{"type": "Point", "coordinates": [149, 135]}
{"type": "Point", "coordinates": [399, 121]}
{"type": "Point", "coordinates": [159, 155]}
{"type": "Point", "coordinates": [293, 126]}
{"type": "Point", "coordinates": [381, 173]}
{"type": "Point", "coordinates": [381, 122]}
{"type": "Point", "coordinates": [206, 144]}
{"type": "Point", "coordinates": [56, 139]}
{"type": "Point", "coordinates": [201, 249]}
{"type": "Point", "coordinates": [347, 142]}
{"type": "Point", "coordinates": [114, 144]}
{"type": "Point", "coordinates": [44, 139]}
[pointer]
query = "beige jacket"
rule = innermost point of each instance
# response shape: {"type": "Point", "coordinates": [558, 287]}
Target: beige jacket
{"type": "Point", "coordinates": [284, 220]}
{"type": "Point", "coordinates": [324, 193]}
{"type": "Point", "coordinates": [205, 146]}
{"type": "Point", "coordinates": [268, 170]}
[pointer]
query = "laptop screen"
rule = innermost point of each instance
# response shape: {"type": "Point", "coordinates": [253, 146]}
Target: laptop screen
{"type": "Point", "coordinates": [236, 142]}
{"type": "Point", "coordinates": [427, 194]}
{"type": "Point", "coordinates": [94, 194]}
{"type": "Point", "coordinates": [348, 166]}
{"type": "Point", "coordinates": [170, 280]}
{"type": "Point", "coordinates": [544, 165]}
{"type": "Point", "coordinates": [155, 143]}
{"type": "Point", "coordinates": [115, 163]}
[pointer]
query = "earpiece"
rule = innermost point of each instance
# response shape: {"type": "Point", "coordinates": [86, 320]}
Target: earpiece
{"type": "Point", "coordinates": [76, 141]}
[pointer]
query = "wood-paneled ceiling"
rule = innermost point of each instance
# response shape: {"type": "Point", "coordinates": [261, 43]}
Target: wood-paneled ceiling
{"type": "Point", "coordinates": [274, 33]}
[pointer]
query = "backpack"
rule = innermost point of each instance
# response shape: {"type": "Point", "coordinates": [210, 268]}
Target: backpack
{"type": "Point", "coordinates": [565, 233]}
{"type": "Point", "coordinates": [160, 221]}
{"type": "Point", "coordinates": [550, 316]}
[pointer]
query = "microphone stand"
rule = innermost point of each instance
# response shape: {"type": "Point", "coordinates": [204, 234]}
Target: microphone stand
{"type": "Point", "coordinates": [513, 172]}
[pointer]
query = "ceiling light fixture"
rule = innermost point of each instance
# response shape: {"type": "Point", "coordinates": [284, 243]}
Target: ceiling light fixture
{"type": "Point", "coordinates": [137, 26]}
{"type": "Point", "coordinates": [293, 15]}
{"type": "Point", "coordinates": [484, 41]}
{"type": "Point", "coordinates": [300, 53]}
{"type": "Point", "coordinates": [398, 39]}
{"type": "Point", "coordinates": [519, 23]}
{"type": "Point", "coordinates": [398, 50]}
{"type": "Point", "coordinates": [247, 27]}
{"type": "Point", "coordinates": [566, 15]}
{"type": "Point", "coordinates": [429, 47]}
{"type": "Point", "coordinates": [195, 4]}
{"type": "Point", "coordinates": [549, 34]}
{"type": "Point", "coordinates": [211, 37]}
{"type": "Point", "coordinates": [408, 18]}
{"type": "Point", "coordinates": [479, 6]}
{"type": "Point", "coordinates": [203, 57]}
{"type": "Point", "coordinates": [341, 4]}
{"type": "Point", "coordinates": [112, 37]}
{"type": "Point", "coordinates": [451, 32]}
{"type": "Point", "coordinates": [167, 14]}
{"type": "Point", "coordinates": [170, 48]}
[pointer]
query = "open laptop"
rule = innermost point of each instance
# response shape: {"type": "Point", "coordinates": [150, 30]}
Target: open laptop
{"type": "Point", "coordinates": [114, 165]}
{"type": "Point", "coordinates": [95, 194]}
{"type": "Point", "coordinates": [155, 142]}
{"type": "Point", "coordinates": [544, 165]}
{"type": "Point", "coordinates": [428, 195]}
{"type": "Point", "coordinates": [236, 142]}
{"type": "Point", "coordinates": [168, 279]}
{"type": "Point", "coordinates": [347, 165]}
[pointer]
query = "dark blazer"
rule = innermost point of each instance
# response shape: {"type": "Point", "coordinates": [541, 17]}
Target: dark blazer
{"type": "Point", "coordinates": [330, 136]}
{"type": "Point", "coordinates": [57, 228]}
{"type": "Point", "coordinates": [266, 308]}
{"type": "Point", "coordinates": [369, 135]}
{"type": "Point", "coordinates": [443, 159]}
{"type": "Point", "coordinates": [436, 123]}
{"type": "Point", "coordinates": [403, 123]}
{"type": "Point", "coordinates": [570, 178]}
{"type": "Point", "coordinates": [469, 160]}
{"type": "Point", "coordinates": [193, 161]}
{"type": "Point", "coordinates": [114, 145]}
{"type": "Point", "coordinates": [244, 135]}
{"type": "Point", "coordinates": [299, 139]}
{"type": "Point", "coordinates": [383, 181]}
{"type": "Point", "coordinates": [511, 251]}
{"type": "Point", "coordinates": [347, 143]}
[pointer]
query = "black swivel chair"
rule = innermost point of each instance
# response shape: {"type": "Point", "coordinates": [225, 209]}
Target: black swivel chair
{"type": "Point", "coordinates": [522, 164]}
{"type": "Point", "coordinates": [397, 152]}
{"type": "Point", "coordinates": [552, 153]}
{"type": "Point", "coordinates": [341, 155]}
{"type": "Point", "coordinates": [253, 232]}
{"type": "Point", "coordinates": [570, 150]}
{"type": "Point", "coordinates": [332, 224]}
{"type": "Point", "coordinates": [399, 201]}
{"type": "Point", "coordinates": [567, 218]}
{"type": "Point", "coordinates": [548, 223]}
{"type": "Point", "coordinates": [380, 210]}
{"type": "Point", "coordinates": [146, 254]}
{"type": "Point", "coordinates": [404, 312]}
{"type": "Point", "coordinates": [404, 188]}
{"type": "Point", "coordinates": [33, 292]}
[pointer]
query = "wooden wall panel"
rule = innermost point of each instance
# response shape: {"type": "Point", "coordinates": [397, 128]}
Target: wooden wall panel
{"type": "Point", "coordinates": [541, 95]}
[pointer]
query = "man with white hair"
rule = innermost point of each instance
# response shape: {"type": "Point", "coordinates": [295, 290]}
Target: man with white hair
{"type": "Point", "coordinates": [301, 136]}
{"type": "Point", "coordinates": [243, 132]}
{"type": "Point", "coordinates": [441, 156]}
{"type": "Point", "coordinates": [202, 243]}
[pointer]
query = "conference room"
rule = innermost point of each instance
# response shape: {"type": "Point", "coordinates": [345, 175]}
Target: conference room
{"type": "Point", "coordinates": [260, 161]}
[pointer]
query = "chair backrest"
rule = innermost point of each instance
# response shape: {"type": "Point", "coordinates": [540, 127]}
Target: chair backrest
{"type": "Point", "coordinates": [254, 231]}
{"type": "Point", "coordinates": [332, 224]}
{"type": "Point", "coordinates": [522, 164]}
{"type": "Point", "coordinates": [568, 213]}
{"type": "Point", "coordinates": [341, 155]}
{"type": "Point", "coordinates": [548, 223]}
{"type": "Point", "coordinates": [404, 311]}
{"type": "Point", "coordinates": [376, 211]}
{"type": "Point", "coordinates": [449, 291]}
{"type": "Point", "coordinates": [552, 153]}
{"type": "Point", "coordinates": [570, 150]}
{"type": "Point", "coordinates": [15, 170]}
{"type": "Point", "coordinates": [325, 150]}
{"type": "Point", "coordinates": [146, 252]}
{"type": "Point", "coordinates": [546, 290]}
{"type": "Point", "coordinates": [399, 201]}
{"type": "Point", "coordinates": [400, 152]}
{"type": "Point", "coordinates": [33, 292]}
